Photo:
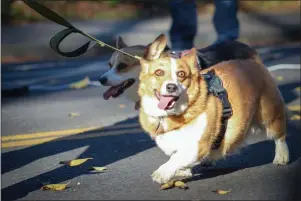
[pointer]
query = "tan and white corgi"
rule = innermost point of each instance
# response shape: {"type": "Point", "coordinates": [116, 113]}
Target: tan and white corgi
{"type": "Point", "coordinates": [185, 120]}
{"type": "Point", "coordinates": [123, 75]}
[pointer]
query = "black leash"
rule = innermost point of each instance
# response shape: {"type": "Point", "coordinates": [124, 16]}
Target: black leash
{"type": "Point", "coordinates": [60, 36]}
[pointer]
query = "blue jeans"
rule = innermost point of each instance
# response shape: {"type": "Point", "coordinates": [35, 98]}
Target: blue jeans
{"type": "Point", "coordinates": [225, 20]}
{"type": "Point", "coordinates": [184, 22]}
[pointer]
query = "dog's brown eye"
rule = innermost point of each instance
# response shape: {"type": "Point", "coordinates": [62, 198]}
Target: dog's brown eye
{"type": "Point", "coordinates": [181, 74]}
{"type": "Point", "coordinates": [121, 66]}
{"type": "Point", "coordinates": [159, 72]}
{"type": "Point", "coordinates": [110, 65]}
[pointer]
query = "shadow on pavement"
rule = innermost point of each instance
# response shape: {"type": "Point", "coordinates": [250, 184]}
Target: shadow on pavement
{"type": "Point", "coordinates": [104, 149]}
{"type": "Point", "coordinates": [287, 91]}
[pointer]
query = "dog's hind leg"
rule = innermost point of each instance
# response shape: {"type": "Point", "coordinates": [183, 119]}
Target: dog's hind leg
{"type": "Point", "coordinates": [273, 115]}
{"type": "Point", "coordinates": [276, 129]}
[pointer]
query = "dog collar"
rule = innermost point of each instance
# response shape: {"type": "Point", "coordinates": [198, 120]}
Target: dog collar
{"type": "Point", "coordinates": [178, 55]}
{"type": "Point", "coordinates": [160, 122]}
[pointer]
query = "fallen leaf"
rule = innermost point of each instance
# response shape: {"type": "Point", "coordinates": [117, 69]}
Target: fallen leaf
{"type": "Point", "coordinates": [180, 184]}
{"type": "Point", "coordinates": [295, 117]}
{"type": "Point", "coordinates": [98, 169]}
{"type": "Point", "coordinates": [295, 108]}
{"type": "Point", "coordinates": [167, 185]}
{"type": "Point", "coordinates": [73, 114]}
{"type": "Point", "coordinates": [80, 84]}
{"type": "Point", "coordinates": [222, 192]}
{"type": "Point", "coordinates": [121, 106]}
{"type": "Point", "coordinates": [298, 89]}
{"type": "Point", "coordinates": [75, 162]}
{"type": "Point", "coordinates": [174, 183]}
{"type": "Point", "coordinates": [55, 187]}
{"type": "Point", "coordinates": [279, 78]}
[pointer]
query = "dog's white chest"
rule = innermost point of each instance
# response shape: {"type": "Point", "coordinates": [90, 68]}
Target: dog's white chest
{"type": "Point", "coordinates": [186, 137]}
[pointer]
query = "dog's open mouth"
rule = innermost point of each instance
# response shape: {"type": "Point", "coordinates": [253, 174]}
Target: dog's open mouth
{"type": "Point", "coordinates": [116, 91]}
{"type": "Point", "coordinates": [166, 102]}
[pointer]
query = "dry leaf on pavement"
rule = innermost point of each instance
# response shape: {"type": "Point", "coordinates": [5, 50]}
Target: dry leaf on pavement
{"type": "Point", "coordinates": [167, 185]}
{"type": "Point", "coordinates": [180, 184]}
{"type": "Point", "coordinates": [80, 84]}
{"type": "Point", "coordinates": [295, 117]}
{"type": "Point", "coordinates": [98, 169]}
{"type": "Point", "coordinates": [174, 183]}
{"type": "Point", "coordinates": [298, 89]}
{"type": "Point", "coordinates": [295, 108]}
{"type": "Point", "coordinates": [279, 78]}
{"type": "Point", "coordinates": [222, 192]}
{"type": "Point", "coordinates": [75, 162]}
{"type": "Point", "coordinates": [73, 114]}
{"type": "Point", "coordinates": [55, 187]}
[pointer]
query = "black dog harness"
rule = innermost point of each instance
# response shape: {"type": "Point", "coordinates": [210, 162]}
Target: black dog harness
{"type": "Point", "coordinates": [215, 87]}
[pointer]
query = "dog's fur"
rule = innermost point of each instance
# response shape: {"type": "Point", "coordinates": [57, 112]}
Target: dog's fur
{"type": "Point", "coordinates": [186, 128]}
{"type": "Point", "coordinates": [124, 68]}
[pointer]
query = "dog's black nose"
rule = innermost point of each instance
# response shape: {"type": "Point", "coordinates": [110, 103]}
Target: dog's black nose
{"type": "Point", "coordinates": [171, 88]}
{"type": "Point", "coordinates": [103, 80]}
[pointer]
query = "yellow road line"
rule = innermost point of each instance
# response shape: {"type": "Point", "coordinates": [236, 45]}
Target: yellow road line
{"type": "Point", "coordinates": [61, 132]}
{"type": "Point", "coordinates": [29, 142]}
{"type": "Point", "coordinates": [295, 108]}
{"type": "Point", "coordinates": [57, 134]}
{"type": "Point", "coordinates": [47, 134]}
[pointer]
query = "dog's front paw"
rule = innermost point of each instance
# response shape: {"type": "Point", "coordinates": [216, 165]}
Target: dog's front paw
{"type": "Point", "coordinates": [163, 175]}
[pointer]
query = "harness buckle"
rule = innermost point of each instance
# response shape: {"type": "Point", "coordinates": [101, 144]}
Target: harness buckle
{"type": "Point", "coordinates": [227, 112]}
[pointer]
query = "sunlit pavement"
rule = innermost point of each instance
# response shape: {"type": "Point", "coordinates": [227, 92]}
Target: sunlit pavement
{"type": "Point", "coordinates": [39, 131]}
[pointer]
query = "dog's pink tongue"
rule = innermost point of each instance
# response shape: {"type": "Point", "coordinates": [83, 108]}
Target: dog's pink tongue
{"type": "Point", "coordinates": [165, 101]}
{"type": "Point", "coordinates": [110, 92]}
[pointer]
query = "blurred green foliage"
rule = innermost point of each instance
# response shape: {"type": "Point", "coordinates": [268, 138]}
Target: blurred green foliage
{"type": "Point", "coordinates": [15, 11]}
{"type": "Point", "coordinates": [113, 2]}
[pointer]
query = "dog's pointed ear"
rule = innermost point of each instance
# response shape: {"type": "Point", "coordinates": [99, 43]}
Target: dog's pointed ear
{"type": "Point", "coordinates": [144, 65]}
{"type": "Point", "coordinates": [190, 57]}
{"type": "Point", "coordinates": [120, 43]}
{"type": "Point", "coordinates": [155, 49]}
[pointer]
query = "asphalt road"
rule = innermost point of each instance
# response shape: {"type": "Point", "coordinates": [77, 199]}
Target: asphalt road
{"type": "Point", "coordinates": [108, 131]}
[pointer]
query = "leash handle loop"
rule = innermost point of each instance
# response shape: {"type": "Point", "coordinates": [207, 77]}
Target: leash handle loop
{"type": "Point", "coordinates": [60, 36]}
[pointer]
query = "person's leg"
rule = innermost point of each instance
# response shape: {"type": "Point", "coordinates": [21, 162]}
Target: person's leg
{"type": "Point", "coordinates": [184, 23]}
{"type": "Point", "coordinates": [225, 20]}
